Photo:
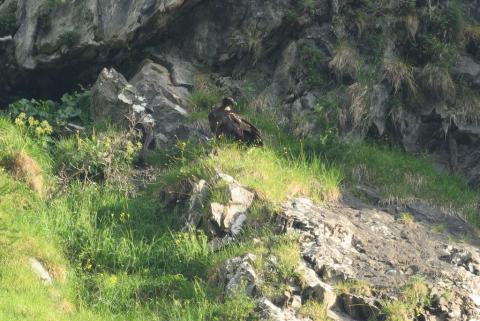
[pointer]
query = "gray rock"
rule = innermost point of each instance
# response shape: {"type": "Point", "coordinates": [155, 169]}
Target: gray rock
{"type": "Point", "coordinates": [379, 107]}
{"type": "Point", "coordinates": [196, 203]}
{"type": "Point", "coordinates": [329, 242]}
{"type": "Point", "coordinates": [40, 271]}
{"type": "Point", "coordinates": [169, 103]}
{"type": "Point", "coordinates": [222, 220]}
{"type": "Point", "coordinates": [113, 98]}
{"type": "Point", "coordinates": [237, 274]}
{"type": "Point", "coordinates": [153, 80]}
{"type": "Point", "coordinates": [468, 68]}
{"type": "Point", "coordinates": [271, 312]}
{"type": "Point", "coordinates": [315, 288]}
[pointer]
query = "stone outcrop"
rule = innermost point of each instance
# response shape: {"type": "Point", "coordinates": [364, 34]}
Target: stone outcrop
{"type": "Point", "coordinates": [342, 243]}
{"type": "Point", "coordinates": [39, 269]}
{"type": "Point", "coordinates": [347, 242]}
{"type": "Point", "coordinates": [114, 99]}
{"type": "Point", "coordinates": [42, 42]}
{"type": "Point", "coordinates": [150, 102]}
{"type": "Point", "coordinates": [222, 222]}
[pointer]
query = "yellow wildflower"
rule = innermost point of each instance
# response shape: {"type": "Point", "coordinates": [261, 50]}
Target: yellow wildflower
{"type": "Point", "coordinates": [31, 121]}
{"type": "Point", "coordinates": [46, 127]}
{"type": "Point", "coordinates": [88, 265]}
{"type": "Point", "coordinates": [19, 122]}
{"type": "Point", "coordinates": [106, 143]}
{"type": "Point", "coordinates": [22, 115]}
{"type": "Point", "coordinates": [123, 217]}
{"type": "Point", "coordinates": [39, 131]}
{"type": "Point", "coordinates": [112, 280]}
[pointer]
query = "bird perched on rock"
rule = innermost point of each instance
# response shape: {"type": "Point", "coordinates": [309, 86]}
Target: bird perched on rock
{"type": "Point", "coordinates": [224, 122]}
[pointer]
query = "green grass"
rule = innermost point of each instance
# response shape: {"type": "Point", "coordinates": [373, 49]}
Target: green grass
{"type": "Point", "coordinates": [125, 256]}
{"type": "Point", "coordinates": [357, 287]}
{"type": "Point", "coordinates": [413, 299]}
{"type": "Point", "coordinates": [116, 257]}
{"type": "Point", "coordinates": [276, 177]}
{"type": "Point", "coordinates": [314, 310]}
{"type": "Point", "coordinates": [402, 178]}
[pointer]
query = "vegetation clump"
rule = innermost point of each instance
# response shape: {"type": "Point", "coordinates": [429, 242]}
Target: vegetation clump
{"type": "Point", "coordinates": [414, 298]}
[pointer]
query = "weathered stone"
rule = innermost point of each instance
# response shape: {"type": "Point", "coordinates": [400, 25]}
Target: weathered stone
{"type": "Point", "coordinates": [271, 312]}
{"type": "Point", "coordinates": [196, 203]}
{"type": "Point", "coordinates": [113, 98]}
{"type": "Point", "coordinates": [315, 288]}
{"type": "Point", "coordinates": [218, 211]}
{"type": "Point", "coordinates": [222, 220]}
{"type": "Point", "coordinates": [469, 68]}
{"type": "Point", "coordinates": [358, 307]}
{"type": "Point", "coordinates": [237, 274]}
{"type": "Point", "coordinates": [379, 108]}
{"type": "Point", "coordinates": [40, 271]}
{"type": "Point", "coordinates": [342, 243]}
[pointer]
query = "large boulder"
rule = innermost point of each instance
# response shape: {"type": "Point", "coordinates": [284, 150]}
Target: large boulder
{"type": "Point", "coordinates": [75, 39]}
{"type": "Point", "coordinates": [167, 93]}
{"type": "Point", "coordinates": [114, 99]}
{"type": "Point", "coordinates": [150, 103]}
{"type": "Point", "coordinates": [342, 243]}
{"type": "Point", "coordinates": [467, 67]}
{"type": "Point", "coordinates": [222, 222]}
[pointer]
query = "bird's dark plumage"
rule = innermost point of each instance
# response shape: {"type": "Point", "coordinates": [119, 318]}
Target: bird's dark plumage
{"type": "Point", "coordinates": [224, 122]}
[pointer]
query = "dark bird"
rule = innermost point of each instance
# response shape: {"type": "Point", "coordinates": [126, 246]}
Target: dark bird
{"type": "Point", "coordinates": [224, 122]}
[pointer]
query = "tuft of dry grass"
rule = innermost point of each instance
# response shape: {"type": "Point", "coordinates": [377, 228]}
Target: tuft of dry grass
{"type": "Point", "coordinates": [262, 102]}
{"type": "Point", "coordinates": [437, 82]}
{"type": "Point", "coordinates": [467, 105]}
{"type": "Point", "coordinates": [411, 23]}
{"type": "Point", "coordinates": [249, 41]}
{"type": "Point", "coordinates": [346, 60]}
{"type": "Point", "coordinates": [27, 169]}
{"type": "Point", "coordinates": [314, 310]}
{"type": "Point", "coordinates": [356, 287]}
{"type": "Point", "coordinates": [399, 74]}
{"type": "Point", "coordinates": [278, 177]}
{"type": "Point", "coordinates": [358, 111]}
{"type": "Point", "coordinates": [407, 218]}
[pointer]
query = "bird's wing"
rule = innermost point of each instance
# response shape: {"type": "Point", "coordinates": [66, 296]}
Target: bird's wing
{"type": "Point", "coordinates": [244, 126]}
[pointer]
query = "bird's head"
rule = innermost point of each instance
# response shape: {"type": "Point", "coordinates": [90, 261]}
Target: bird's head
{"type": "Point", "coordinates": [228, 103]}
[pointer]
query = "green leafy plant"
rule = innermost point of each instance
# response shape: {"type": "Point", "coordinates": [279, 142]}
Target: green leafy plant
{"type": "Point", "coordinates": [70, 39]}
{"type": "Point", "coordinates": [107, 157]}
{"type": "Point", "coordinates": [72, 108]}
{"type": "Point", "coordinates": [315, 62]}
{"type": "Point", "coordinates": [414, 298]}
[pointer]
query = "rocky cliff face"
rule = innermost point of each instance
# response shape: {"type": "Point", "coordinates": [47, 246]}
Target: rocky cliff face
{"type": "Point", "coordinates": [407, 71]}
{"type": "Point", "coordinates": [358, 259]}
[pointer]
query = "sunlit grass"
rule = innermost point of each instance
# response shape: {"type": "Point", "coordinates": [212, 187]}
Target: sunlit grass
{"type": "Point", "coordinates": [277, 177]}
{"type": "Point", "coordinates": [402, 178]}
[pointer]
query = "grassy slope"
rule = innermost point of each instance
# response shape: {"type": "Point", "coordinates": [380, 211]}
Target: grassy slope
{"type": "Point", "coordinates": [123, 258]}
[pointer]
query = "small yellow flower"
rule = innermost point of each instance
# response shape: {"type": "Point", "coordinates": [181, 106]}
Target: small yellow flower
{"type": "Point", "coordinates": [112, 280]}
{"type": "Point", "coordinates": [123, 217]}
{"type": "Point", "coordinates": [181, 145]}
{"type": "Point", "coordinates": [31, 121]}
{"type": "Point", "coordinates": [19, 122]}
{"type": "Point", "coordinates": [22, 115]}
{"type": "Point", "coordinates": [130, 148]}
{"type": "Point", "coordinates": [39, 131]}
{"type": "Point", "coordinates": [106, 143]}
{"type": "Point", "coordinates": [46, 127]}
{"type": "Point", "coordinates": [88, 265]}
